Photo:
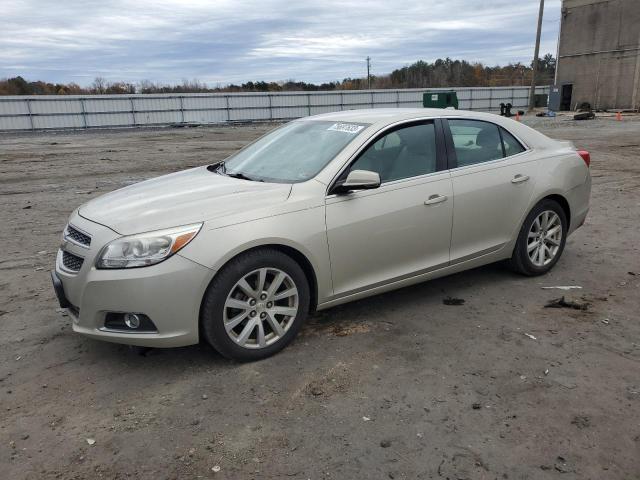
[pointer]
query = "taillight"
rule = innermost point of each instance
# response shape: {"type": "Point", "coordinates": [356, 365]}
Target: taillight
{"type": "Point", "coordinates": [585, 156]}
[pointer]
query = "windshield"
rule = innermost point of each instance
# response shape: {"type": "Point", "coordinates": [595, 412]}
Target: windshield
{"type": "Point", "coordinates": [293, 153]}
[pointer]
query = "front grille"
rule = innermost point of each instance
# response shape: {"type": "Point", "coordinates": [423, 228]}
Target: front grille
{"type": "Point", "coordinates": [77, 236]}
{"type": "Point", "coordinates": [72, 262]}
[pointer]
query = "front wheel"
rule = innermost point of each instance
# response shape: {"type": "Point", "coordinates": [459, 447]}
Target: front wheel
{"type": "Point", "coordinates": [541, 240]}
{"type": "Point", "coordinates": [255, 305]}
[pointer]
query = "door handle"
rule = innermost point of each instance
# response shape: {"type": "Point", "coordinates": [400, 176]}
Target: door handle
{"type": "Point", "coordinates": [433, 199]}
{"type": "Point", "coordinates": [519, 178]}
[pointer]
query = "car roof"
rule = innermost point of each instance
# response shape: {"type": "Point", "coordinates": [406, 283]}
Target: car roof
{"type": "Point", "coordinates": [378, 118]}
{"type": "Point", "coordinates": [391, 115]}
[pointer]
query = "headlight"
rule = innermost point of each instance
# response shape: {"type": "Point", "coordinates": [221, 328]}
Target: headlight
{"type": "Point", "coordinates": [146, 248]}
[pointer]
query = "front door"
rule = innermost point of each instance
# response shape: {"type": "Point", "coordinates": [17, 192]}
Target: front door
{"type": "Point", "coordinates": [401, 228]}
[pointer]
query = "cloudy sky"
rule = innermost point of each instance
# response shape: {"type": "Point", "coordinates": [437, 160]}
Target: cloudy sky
{"type": "Point", "coordinates": [231, 41]}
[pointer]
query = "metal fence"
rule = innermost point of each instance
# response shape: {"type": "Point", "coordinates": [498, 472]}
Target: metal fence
{"type": "Point", "coordinates": [41, 112]}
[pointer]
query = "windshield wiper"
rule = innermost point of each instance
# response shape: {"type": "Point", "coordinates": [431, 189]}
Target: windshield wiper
{"type": "Point", "coordinates": [221, 169]}
{"type": "Point", "coordinates": [242, 176]}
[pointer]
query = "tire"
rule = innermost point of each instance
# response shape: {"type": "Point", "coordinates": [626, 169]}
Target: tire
{"type": "Point", "coordinates": [233, 305]}
{"type": "Point", "coordinates": [521, 259]}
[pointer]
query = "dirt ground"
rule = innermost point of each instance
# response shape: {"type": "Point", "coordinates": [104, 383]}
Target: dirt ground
{"type": "Point", "coordinates": [396, 386]}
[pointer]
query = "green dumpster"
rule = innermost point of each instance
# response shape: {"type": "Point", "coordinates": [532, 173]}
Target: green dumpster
{"type": "Point", "coordinates": [440, 99]}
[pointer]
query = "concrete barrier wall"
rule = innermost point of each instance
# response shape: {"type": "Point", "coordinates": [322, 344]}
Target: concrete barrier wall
{"type": "Point", "coordinates": [44, 112]}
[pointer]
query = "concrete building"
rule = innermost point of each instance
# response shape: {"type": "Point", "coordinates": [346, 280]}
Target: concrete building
{"type": "Point", "coordinates": [598, 55]}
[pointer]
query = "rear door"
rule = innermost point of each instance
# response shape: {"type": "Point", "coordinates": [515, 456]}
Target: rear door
{"type": "Point", "coordinates": [493, 176]}
{"type": "Point", "coordinates": [401, 228]}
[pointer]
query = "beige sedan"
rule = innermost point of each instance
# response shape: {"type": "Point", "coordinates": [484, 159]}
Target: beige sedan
{"type": "Point", "coordinates": [321, 211]}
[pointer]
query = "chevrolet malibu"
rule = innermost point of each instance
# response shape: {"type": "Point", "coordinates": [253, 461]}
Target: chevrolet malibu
{"type": "Point", "coordinates": [321, 211]}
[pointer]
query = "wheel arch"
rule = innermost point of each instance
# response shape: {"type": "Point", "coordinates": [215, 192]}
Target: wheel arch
{"type": "Point", "coordinates": [556, 196]}
{"type": "Point", "coordinates": [516, 249]}
{"type": "Point", "coordinates": [306, 266]}
{"type": "Point", "coordinates": [295, 253]}
{"type": "Point", "coordinates": [562, 201]}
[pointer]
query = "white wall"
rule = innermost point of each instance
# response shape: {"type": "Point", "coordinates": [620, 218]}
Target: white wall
{"type": "Point", "coordinates": [39, 112]}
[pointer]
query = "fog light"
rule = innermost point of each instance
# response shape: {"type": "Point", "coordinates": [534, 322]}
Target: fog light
{"type": "Point", "coordinates": [131, 320]}
{"type": "Point", "coordinates": [129, 323]}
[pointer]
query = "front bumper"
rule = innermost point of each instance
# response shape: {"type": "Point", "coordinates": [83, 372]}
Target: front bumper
{"type": "Point", "coordinates": [169, 293]}
{"type": "Point", "coordinates": [59, 290]}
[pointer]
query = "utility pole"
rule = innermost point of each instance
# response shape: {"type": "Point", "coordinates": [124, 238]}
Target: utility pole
{"type": "Point", "coordinates": [532, 92]}
{"type": "Point", "coordinates": [368, 73]}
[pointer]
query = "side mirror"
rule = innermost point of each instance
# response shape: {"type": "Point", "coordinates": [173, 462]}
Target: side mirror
{"type": "Point", "coordinates": [358, 180]}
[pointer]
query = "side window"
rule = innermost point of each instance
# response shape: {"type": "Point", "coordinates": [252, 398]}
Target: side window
{"type": "Point", "coordinates": [475, 141]}
{"type": "Point", "coordinates": [388, 141]}
{"type": "Point", "coordinates": [511, 145]}
{"type": "Point", "coordinates": [403, 153]}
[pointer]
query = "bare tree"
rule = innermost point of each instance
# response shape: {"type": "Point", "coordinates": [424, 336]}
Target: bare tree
{"type": "Point", "coordinates": [146, 86]}
{"type": "Point", "coordinates": [99, 85]}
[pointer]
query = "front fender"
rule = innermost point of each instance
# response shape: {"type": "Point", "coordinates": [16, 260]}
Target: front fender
{"type": "Point", "coordinates": [302, 230]}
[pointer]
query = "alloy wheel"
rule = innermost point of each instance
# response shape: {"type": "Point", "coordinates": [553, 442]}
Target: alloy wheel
{"type": "Point", "coordinates": [260, 308]}
{"type": "Point", "coordinates": [544, 238]}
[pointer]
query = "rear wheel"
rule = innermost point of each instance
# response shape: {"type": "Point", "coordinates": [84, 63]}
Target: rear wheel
{"type": "Point", "coordinates": [256, 305]}
{"type": "Point", "coordinates": [541, 240]}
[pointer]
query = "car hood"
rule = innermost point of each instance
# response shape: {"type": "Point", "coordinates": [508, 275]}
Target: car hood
{"type": "Point", "coordinates": [182, 198]}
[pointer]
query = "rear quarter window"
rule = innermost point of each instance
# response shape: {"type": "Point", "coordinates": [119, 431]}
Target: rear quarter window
{"type": "Point", "coordinates": [511, 145]}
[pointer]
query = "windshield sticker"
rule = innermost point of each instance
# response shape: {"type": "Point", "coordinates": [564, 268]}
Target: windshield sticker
{"type": "Point", "coordinates": [346, 128]}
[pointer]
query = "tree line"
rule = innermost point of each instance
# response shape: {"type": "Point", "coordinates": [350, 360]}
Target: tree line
{"type": "Point", "coordinates": [441, 73]}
